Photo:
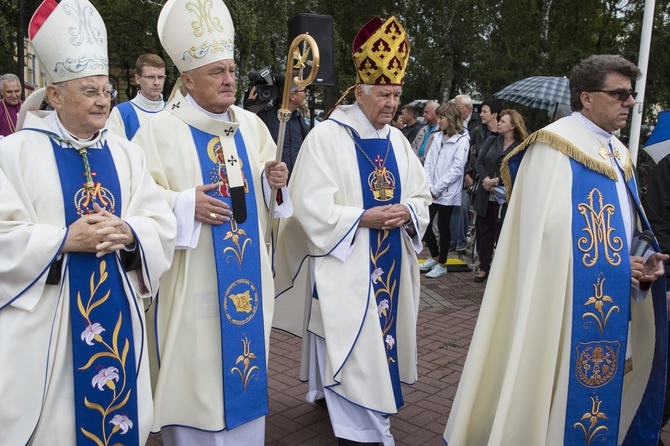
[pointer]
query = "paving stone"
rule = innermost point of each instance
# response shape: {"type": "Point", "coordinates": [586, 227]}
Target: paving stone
{"type": "Point", "coordinates": [448, 313]}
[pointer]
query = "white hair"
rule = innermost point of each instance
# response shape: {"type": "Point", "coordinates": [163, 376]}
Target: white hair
{"type": "Point", "coordinates": [367, 88]}
{"type": "Point", "coordinates": [465, 99]}
{"type": "Point", "coordinates": [9, 77]}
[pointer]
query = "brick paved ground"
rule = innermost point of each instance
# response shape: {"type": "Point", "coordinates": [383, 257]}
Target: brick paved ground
{"type": "Point", "coordinates": [447, 317]}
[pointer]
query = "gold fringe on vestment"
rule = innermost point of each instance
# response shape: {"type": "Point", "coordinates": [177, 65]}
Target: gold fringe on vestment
{"type": "Point", "coordinates": [568, 149]}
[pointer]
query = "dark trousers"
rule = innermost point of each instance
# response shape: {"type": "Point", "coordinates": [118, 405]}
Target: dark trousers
{"type": "Point", "coordinates": [444, 227]}
{"type": "Point", "coordinates": [488, 231]}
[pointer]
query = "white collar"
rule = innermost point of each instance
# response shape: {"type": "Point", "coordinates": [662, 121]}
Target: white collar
{"type": "Point", "coordinates": [225, 116]}
{"type": "Point", "coordinates": [54, 122]}
{"type": "Point", "coordinates": [147, 104]}
{"type": "Point", "coordinates": [592, 127]}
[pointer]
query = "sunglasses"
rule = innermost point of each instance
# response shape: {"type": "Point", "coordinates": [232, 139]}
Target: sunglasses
{"type": "Point", "coordinates": [619, 93]}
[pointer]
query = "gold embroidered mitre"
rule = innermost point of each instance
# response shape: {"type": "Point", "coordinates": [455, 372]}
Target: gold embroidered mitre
{"type": "Point", "coordinates": [196, 33]}
{"type": "Point", "coordinates": [381, 52]}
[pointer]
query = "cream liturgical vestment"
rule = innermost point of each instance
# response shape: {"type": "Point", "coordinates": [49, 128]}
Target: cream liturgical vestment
{"type": "Point", "coordinates": [322, 252]}
{"type": "Point", "coordinates": [36, 363]}
{"type": "Point", "coordinates": [189, 389]}
{"type": "Point", "coordinates": [565, 351]}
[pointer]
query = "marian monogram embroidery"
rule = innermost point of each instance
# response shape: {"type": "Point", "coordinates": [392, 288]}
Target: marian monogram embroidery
{"type": "Point", "coordinates": [86, 196]}
{"type": "Point", "coordinates": [203, 11]}
{"type": "Point", "coordinates": [84, 29]}
{"type": "Point", "coordinates": [599, 231]}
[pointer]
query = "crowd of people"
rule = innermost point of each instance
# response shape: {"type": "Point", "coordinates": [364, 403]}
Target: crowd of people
{"type": "Point", "coordinates": [463, 175]}
{"type": "Point", "coordinates": [138, 290]}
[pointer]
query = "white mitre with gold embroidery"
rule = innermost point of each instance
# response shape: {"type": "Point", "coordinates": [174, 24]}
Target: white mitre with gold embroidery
{"type": "Point", "coordinates": [196, 33]}
{"type": "Point", "coordinates": [70, 39]}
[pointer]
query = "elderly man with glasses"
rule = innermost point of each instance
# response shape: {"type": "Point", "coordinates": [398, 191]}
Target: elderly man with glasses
{"type": "Point", "coordinates": [85, 234]}
{"type": "Point", "coordinates": [127, 117]}
{"type": "Point", "coordinates": [571, 342]}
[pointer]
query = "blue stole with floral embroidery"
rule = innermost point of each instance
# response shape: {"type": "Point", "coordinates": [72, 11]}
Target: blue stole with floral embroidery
{"type": "Point", "coordinates": [600, 318]}
{"type": "Point", "coordinates": [105, 372]}
{"type": "Point", "coordinates": [380, 187]}
{"type": "Point", "coordinates": [238, 274]}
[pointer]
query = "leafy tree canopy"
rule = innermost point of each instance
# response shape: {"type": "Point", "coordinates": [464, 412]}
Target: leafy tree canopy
{"type": "Point", "coordinates": [458, 46]}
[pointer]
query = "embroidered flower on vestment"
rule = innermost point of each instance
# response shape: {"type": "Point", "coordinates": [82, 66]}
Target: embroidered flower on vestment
{"type": "Point", "coordinates": [390, 341]}
{"type": "Point", "coordinates": [382, 307]}
{"type": "Point", "coordinates": [106, 377]}
{"type": "Point", "coordinates": [121, 422]}
{"type": "Point", "coordinates": [376, 274]}
{"type": "Point", "coordinates": [92, 332]}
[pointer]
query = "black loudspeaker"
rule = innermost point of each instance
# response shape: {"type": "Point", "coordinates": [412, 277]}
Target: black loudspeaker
{"type": "Point", "coordinates": [320, 27]}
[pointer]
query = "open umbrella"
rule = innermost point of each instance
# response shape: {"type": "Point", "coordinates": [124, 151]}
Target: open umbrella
{"type": "Point", "coordinates": [658, 144]}
{"type": "Point", "coordinates": [543, 92]}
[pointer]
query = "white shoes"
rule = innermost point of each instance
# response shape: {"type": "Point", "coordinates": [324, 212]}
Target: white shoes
{"type": "Point", "coordinates": [427, 265]}
{"type": "Point", "coordinates": [437, 271]}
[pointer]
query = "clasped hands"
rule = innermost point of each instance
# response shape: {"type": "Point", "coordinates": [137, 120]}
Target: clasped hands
{"type": "Point", "coordinates": [215, 212]}
{"type": "Point", "coordinates": [385, 217]}
{"type": "Point", "coordinates": [648, 271]}
{"type": "Point", "coordinates": [101, 233]}
{"type": "Point", "coordinates": [488, 184]}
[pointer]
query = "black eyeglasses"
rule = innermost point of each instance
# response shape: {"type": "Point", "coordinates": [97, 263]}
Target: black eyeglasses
{"type": "Point", "coordinates": [619, 93]}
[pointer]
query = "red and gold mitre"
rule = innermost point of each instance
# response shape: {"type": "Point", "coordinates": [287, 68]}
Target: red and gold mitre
{"type": "Point", "coordinates": [381, 52]}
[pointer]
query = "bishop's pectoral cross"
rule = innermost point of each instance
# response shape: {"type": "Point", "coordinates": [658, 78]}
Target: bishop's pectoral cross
{"type": "Point", "coordinates": [380, 185]}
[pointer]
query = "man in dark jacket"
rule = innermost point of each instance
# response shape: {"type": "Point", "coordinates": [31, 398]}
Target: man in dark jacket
{"type": "Point", "coordinates": [296, 128]}
{"type": "Point", "coordinates": [410, 116]}
{"type": "Point", "coordinates": [657, 208]}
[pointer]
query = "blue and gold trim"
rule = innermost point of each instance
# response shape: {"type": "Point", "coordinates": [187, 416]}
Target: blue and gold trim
{"type": "Point", "coordinates": [104, 366]}
{"type": "Point", "coordinates": [600, 310]}
{"type": "Point", "coordinates": [238, 275]}
{"type": "Point", "coordinates": [385, 246]}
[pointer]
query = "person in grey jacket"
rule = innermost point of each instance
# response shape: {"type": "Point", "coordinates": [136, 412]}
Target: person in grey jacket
{"type": "Point", "coordinates": [424, 138]}
{"type": "Point", "coordinates": [444, 168]}
{"type": "Point", "coordinates": [490, 202]}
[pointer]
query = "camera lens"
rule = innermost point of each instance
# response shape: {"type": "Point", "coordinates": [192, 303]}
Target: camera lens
{"type": "Point", "coordinates": [266, 92]}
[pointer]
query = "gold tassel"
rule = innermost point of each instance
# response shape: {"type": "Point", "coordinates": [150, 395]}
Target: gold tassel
{"type": "Point", "coordinates": [565, 147]}
{"type": "Point", "coordinates": [339, 101]}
